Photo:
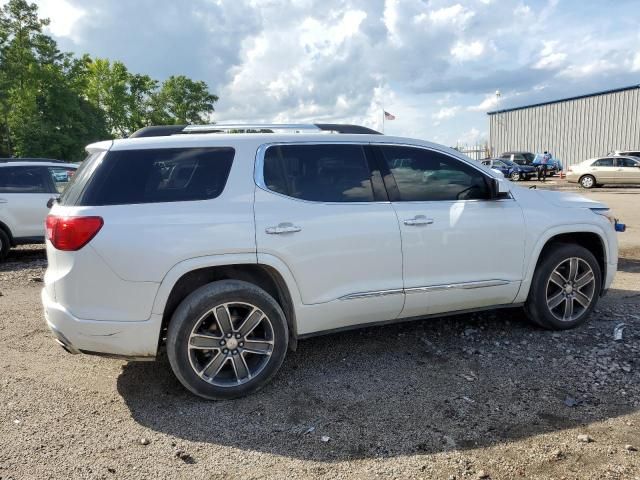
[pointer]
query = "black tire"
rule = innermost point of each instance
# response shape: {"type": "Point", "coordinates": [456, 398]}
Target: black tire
{"type": "Point", "coordinates": [189, 315]}
{"type": "Point", "coordinates": [587, 181]}
{"type": "Point", "coordinates": [542, 286]}
{"type": "Point", "coordinates": [5, 245]}
{"type": "Point", "coordinates": [515, 176]}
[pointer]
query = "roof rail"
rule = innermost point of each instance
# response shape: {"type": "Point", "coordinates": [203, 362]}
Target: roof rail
{"type": "Point", "coordinates": [36, 160]}
{"type": "Point", "coordinates": [166, 130]}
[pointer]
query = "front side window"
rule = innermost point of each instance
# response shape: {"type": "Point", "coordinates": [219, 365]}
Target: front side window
{"type": "Point", "coordinates": [24, 180]}
{"type": "Point", "coordinates": [425, 175]}
{"type": "Point", "coordinates": [158, 175]}
{"type": "Point", "coordinates": [603, 162]}
{"type": "Point", "coordinates": [626, 162]}
{"type": "Point", "coordinates": [319, 173]}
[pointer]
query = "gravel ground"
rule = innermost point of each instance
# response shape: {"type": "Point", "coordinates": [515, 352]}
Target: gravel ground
{"type": "Point", "coordinates": [474, 396]}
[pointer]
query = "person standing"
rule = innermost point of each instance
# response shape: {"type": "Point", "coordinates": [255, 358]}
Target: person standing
{"type": "Point", "coordinates": [542, 168]}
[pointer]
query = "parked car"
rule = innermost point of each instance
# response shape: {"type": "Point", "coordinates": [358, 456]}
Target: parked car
{"type": "Point", "coordinates": [596, 172]}
{"type": "Point", "coordinates": [510, 169]}
{"type": "Point", "coordinates": [521, 158]}
{"type": "Point", "coordinates": [625, 153]}
{"type": "Point", "coordinates": [26, 184]}
{"type": "Point", "coordinates": [554, 166]}
{"type": "Point", "coordinates": [228, 249]}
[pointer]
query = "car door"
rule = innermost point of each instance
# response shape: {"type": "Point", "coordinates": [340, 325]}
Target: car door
{"type": "Point", "coordinates": [627, 170]}
{"type": "Point", "coordinates": [24, 192]}
{"type": "Point", "coordinates": [604, 170]}
{"type": "Point", "coordinates": [448, 218]}
{"type": "Point", "coordinates": [322, 210]}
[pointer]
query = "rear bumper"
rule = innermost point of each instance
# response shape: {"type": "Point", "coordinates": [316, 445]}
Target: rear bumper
{"type": "Point", "coordinates": [130, 340]}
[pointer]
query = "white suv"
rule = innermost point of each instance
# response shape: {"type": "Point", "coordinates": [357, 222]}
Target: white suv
{"type": "Point", "coordinates": [229, 248]}
{"type": "Point", "coordinates": [26, 186]}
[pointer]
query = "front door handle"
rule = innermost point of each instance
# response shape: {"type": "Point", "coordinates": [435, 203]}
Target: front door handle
{"type": "Point", "coordinates": [418, 220]}
{"type": "Point", "coordinates": [283, 228]}
{"type": "Point", "coordinates": [3, 200]}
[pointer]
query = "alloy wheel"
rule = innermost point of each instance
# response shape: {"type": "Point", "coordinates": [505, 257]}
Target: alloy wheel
{"type": "Point", "coordinates": [570, 289]}
{"type": "Point", "coordinates": [231, 344]}
{"type": "Point", "coordinates": [587, 182]}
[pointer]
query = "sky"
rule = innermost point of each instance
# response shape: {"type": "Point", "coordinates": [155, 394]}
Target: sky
{"type": "Point", "coordinates": [436, 65]}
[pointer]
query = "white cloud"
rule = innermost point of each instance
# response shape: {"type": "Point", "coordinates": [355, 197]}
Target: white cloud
{"type": "Point", "coordinates": [340, 60]}
{"type": "Point", "coordinates": [550, 58]}
{"type": "Point", "coordinates": [635, 65]}
{"type": "Point", "coordinates": [472, 137]}
{"type": "Point", "coordinates": [445, 113]}
{"type": "Point", "coordinates": [453, 15]}
{"type": "Point", "coordinates": [490, 102]}
{"type": "Point", "coordinates": [467, 51]}
{"type": "Point", "coordinates": [578, 71]}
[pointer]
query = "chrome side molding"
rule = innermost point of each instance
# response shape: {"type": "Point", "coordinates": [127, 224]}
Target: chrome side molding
{"type": "Point", "coordinates": [430, 288]}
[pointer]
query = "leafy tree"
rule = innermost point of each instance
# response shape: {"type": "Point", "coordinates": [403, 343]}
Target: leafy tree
{"type": "Point", "coordinates": [181, 100]}
{"type": "Point", "coordinates": [52, 104]}
{"type": "Point", "coordinates": [42, 111]}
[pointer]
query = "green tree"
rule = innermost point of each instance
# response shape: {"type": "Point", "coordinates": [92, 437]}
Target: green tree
{"type": "Point", "coordinates": [42, 111]}
{"type": "Point", "coordinates": [181, 100]}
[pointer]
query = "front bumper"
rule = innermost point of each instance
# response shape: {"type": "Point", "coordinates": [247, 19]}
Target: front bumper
{"type": "Point", "coordinates": [129, 340]}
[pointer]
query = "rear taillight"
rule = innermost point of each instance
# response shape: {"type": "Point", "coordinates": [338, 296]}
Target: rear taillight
{"type": "Point", "coordinates": [72, 233]}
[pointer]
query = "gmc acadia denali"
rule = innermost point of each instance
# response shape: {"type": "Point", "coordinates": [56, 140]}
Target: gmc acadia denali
{"type": "Point", "coordinates": [228, 248]}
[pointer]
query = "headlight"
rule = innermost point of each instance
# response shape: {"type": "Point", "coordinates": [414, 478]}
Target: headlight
{"type": "Point", "coordinates": [605, 212]}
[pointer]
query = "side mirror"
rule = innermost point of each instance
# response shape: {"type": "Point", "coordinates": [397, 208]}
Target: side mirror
{"type": "Point", "coordinates": [51, 201]}
{"type": "Point", "coordinates": [500, 188]}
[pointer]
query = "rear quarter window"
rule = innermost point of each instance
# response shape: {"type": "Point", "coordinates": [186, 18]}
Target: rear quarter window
{"type": "Point", "coordinates": [158, 175]}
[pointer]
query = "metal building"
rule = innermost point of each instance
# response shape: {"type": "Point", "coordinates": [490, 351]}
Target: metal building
{"type": "Point", "coordinates": [572, 129]}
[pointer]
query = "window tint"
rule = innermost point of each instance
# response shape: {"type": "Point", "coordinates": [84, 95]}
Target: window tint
{"type": "Point", "coordinates": [24, 180]}
{"type": "Point", "coordinates": [156, 175]}
{"type": "Point", "coordinates": [603, 162]}
{"type": "Point", "coordinates": [320, 173]}
{"type": "Point", "coordinates": [626, 162]}
{"type": "Point", "coordinates": [424, 175]}
{"type": "Point", "coordinates": [61, 176]}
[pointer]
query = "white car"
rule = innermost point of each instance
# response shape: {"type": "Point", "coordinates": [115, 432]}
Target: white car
{"type": "Point", "coordinates": [227, 249]}
{"type": "Point", "coordinates": [26, 185]}
{"type": "Point", "coordinates": [596, 172]}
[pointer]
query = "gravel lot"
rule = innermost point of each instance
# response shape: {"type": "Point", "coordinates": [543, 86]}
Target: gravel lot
{"type": "Point", "coordinates": [474, 396]}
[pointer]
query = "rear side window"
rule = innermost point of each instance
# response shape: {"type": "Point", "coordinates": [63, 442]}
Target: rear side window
{"type": "Point", "coordinates": [25, 180]}
{"type": "Point", "coordinates": [603, 162]}
{"type": "Point", "coordinates": [319, 173]}
{"type": "Point", "coordinates": [61, 177]}
{"type": "Point", "coordinates": [158, 175]}
{"type": "Point", "coordinates": [424, 175]}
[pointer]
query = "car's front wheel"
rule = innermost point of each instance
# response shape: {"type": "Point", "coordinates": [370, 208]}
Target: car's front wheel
{"type": "Point", "coordinates": [565, 287]}
{"type": "Point", "coordinates": [588, 181]}
{"type": "Point", "coordinates": [515, 176]}
{"type": "Point", "coordinates": [227, 339]}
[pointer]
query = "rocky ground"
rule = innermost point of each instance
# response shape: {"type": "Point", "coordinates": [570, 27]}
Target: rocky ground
{"type": "Point", "coordinates": [474, 396]}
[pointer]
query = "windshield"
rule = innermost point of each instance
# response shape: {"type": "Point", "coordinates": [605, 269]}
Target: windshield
{"type": "Point", "coordinates": [508, 162]}
{"type": "Point", "coordinates": [529, 157]}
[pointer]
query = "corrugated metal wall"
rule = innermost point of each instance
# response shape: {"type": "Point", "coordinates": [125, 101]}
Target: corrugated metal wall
{"type": "Point", "coordinates": [572, 130]}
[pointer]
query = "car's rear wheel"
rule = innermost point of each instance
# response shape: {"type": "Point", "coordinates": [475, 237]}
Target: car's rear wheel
{"type": "Point", "coordinates": [515, 176]}
{"type": "Point", "coordinates": [227, 339]}
{"type": "Point", "coordinates": [5, 245]}
{"type": "Point", "coordinates": [587, 181]}
{"type": "Point", "coordinates": [565, 287]}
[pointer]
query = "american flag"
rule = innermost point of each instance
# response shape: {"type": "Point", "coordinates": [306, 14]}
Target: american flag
{"type": "Point", "coordinates": [389, 116]}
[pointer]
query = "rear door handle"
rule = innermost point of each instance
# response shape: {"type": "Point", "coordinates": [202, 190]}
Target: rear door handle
{"type": "Point", "coordinates": [283, 228]}
{"type": "Point", "coordinates": [418, 220]}
{"type": "Point", "coordinates": [4, 200]}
